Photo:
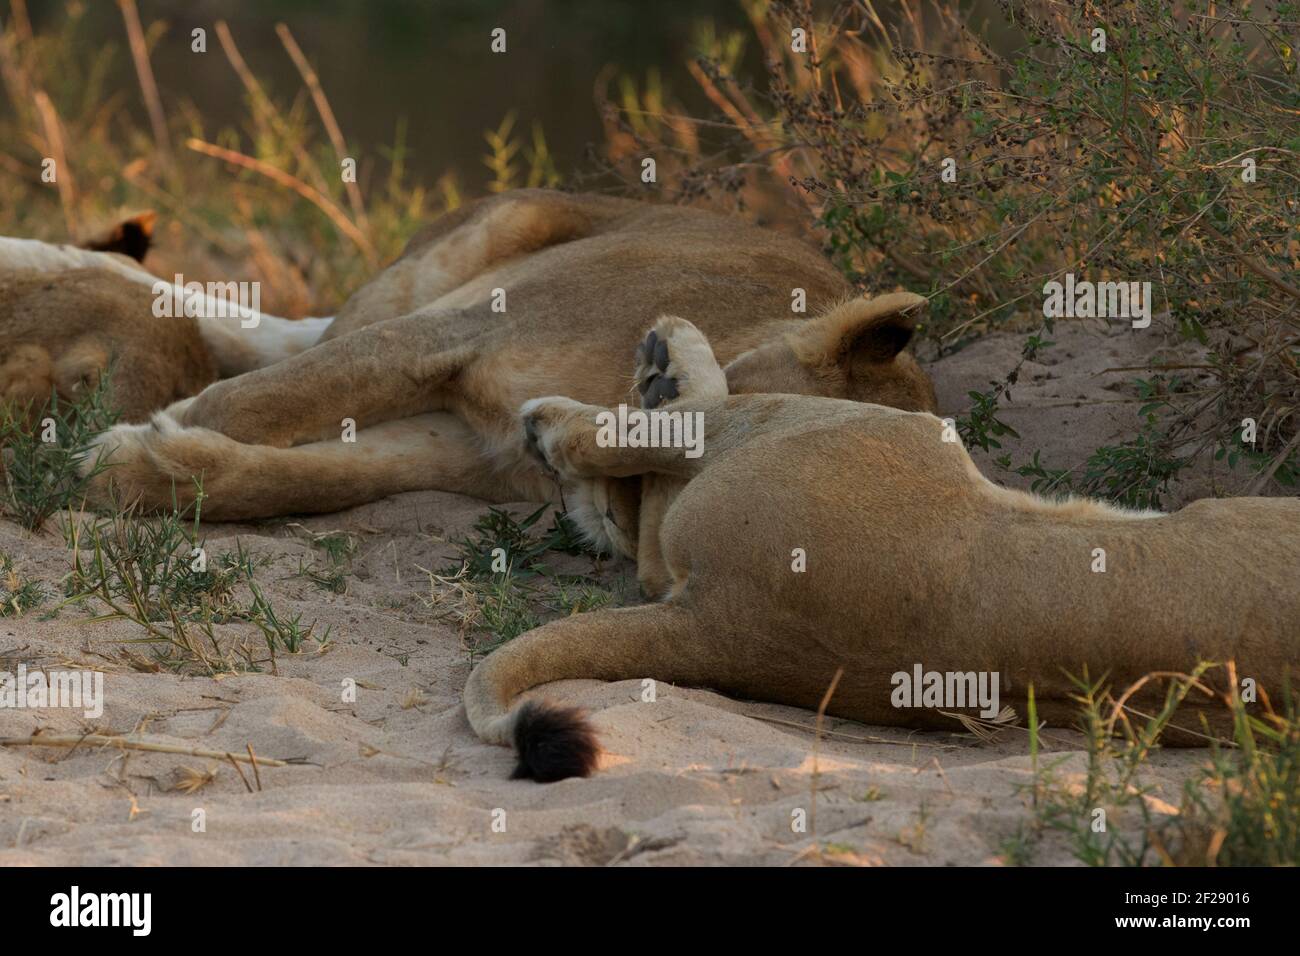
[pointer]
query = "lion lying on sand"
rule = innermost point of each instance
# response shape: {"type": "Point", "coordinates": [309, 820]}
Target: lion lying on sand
{"type": "Point", "coordinates": [913, 562]}
{"type": "Point", "coordinates": [524, 294]}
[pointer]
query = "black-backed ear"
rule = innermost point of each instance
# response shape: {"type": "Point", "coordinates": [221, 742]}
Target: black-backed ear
{"type": "Point", "coordinates": [131, 237]}
{"type": "Point", "coordinates": [873, 329]}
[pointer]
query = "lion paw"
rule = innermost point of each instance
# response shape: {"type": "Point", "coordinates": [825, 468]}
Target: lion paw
{"type": "Point", "coordinates": [155, 465]}
{"type": "Point", "coordinates": [675, 361]}
{"type": "Point", "coordinates": [551, 429]}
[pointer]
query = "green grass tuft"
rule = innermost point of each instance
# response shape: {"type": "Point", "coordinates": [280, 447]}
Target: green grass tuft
{"type": "Point", "coordinates": [1240, 809]}
{"type": "Point", "coordinates": [18, 594]}
{"type": "Point", "coordinates": [155, 572]}
{"type": "Point", "coordinates": [42, 453]}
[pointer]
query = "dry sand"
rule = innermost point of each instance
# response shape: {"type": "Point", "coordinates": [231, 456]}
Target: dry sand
{"type": "Point", "coordinates": [397, 777]}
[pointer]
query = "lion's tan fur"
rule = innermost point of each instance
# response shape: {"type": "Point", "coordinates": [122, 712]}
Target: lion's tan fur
{"type": "Point", "coordinates": [912, 557]}
{"type": "Point", "coordinates": [582, 277]}
{"type": "Point", "coordinates": [61, 332]}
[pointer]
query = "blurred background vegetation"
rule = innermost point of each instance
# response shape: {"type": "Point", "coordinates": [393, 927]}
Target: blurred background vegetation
{"type": "Point", "coordinates": [409, 69]}
{"type": "Point", "coordinates": [428, 112]}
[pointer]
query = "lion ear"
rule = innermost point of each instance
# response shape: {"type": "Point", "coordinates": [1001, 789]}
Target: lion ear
{"type": "Point", "coordinates": [130, 237]}
{"type": "Point", "coordinates": [872, 329]}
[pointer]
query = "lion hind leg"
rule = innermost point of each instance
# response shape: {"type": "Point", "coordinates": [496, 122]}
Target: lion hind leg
{"type": "Point", "coordinates": [658, 492]}
{"type": "Point", "coordinates": [240, 482]}
{"type": "Point", "coordinates": [390, 370]}
{"type": "Point", "coordinates": [674, 365]}
{"type": "Point", "coordinates": [441, 261]}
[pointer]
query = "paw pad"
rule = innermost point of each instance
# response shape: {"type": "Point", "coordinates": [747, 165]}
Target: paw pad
{"type": "Point", "coordinates": [652, 362]}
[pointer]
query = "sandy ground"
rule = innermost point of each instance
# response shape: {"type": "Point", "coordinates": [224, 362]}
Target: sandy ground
{"type": "Point", "coordinates": [397, 777]}
{"type": "Point", "coordinates": [1076, 397]}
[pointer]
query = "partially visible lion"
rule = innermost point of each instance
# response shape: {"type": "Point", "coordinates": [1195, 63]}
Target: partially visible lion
{"type": "Point", "coordinates": [912, 562]}
{"type": "Point", "coordinates": [524, 294]}
{"type": "Point", "coordinates": [59, 332]}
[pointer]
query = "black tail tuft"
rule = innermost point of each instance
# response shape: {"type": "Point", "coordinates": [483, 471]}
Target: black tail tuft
{"type": "Point", "coordinates": [553, 743]}
{"type": "Point", "coordinates": [129, 238]}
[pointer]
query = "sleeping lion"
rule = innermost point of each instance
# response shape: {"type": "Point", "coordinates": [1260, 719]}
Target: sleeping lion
{"type": "Point", "coordinates": [524, 294]}
{"type": "Point", "coordinates": [913, 563]}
